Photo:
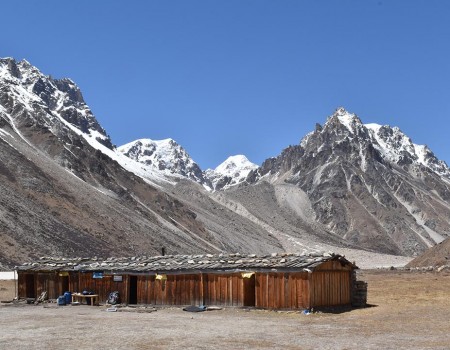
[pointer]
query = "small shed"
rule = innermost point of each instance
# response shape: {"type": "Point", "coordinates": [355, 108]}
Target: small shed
{"type": "Point", "coordinates": [275, 281]}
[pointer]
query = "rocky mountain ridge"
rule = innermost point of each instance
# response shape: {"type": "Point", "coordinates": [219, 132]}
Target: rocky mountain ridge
{"type": "Point", "coordinates": [66, 191]}
{"type": "Point", "coordinates": [368, 183]}
{"type": "Point", "coordinates": [345, 186]}
{"type": "Point", "coordinates": [52, 102]}
{"type": "Point", "coordinates": [165, 156]}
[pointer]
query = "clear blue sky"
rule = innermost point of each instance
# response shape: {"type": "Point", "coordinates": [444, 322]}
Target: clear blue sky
{"type": "Point", "coordinates": [243, 77]}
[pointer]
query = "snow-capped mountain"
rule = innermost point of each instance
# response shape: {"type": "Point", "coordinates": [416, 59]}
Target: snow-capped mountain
{"type": "Point", "coordinates": [165, 156]}
{"type": "Point", "coordinates": [63, 183]}
{"type": "Point", "coordinates": [30, 97]}
{"type": "Point", "coordinates": [168, 158]}
{"type": "Point", "coordinates": [368, 183]}
{"type": "Point", "coordinates": [398, 148]}
{"type": "Point", "coordinates": [66, 191]}
{"type": "Point", "coordinates": [232, 171]}
{"type": "Point", "coordinates": [392, 144]}
{"type": "Point", "coordinates": [56, 107]}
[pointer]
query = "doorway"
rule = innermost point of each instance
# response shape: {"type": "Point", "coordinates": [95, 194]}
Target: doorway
{"type": "Point", "coordinates": [30, 289]}
{"type": "Point", "coordinates": [132, 295]}
{"type": "Point", "coordinates": [64, 284]}
{"type": "Point", "coordinates": [249, 291]}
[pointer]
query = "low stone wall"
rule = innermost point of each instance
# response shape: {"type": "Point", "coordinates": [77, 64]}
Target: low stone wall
{"type": "Point", "coordinates": [359, 294]}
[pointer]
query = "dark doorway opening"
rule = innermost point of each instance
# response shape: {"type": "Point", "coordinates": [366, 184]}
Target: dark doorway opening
{"type": "Point", "coordinates": [30, 289]}
{"type": "Point", "coordinates": [64, 284]}
{"type": "Point", "coordinates": [132, 295]}
{"type": "Point", "coordinates": [249, 291]}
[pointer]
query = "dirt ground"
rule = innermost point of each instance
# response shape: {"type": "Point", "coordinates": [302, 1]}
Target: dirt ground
{"type": "Point", "coordinates": [411, 310]}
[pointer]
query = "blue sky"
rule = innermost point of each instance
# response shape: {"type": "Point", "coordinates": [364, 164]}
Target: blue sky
{"type": "Point", "coordinates": [243, 77]}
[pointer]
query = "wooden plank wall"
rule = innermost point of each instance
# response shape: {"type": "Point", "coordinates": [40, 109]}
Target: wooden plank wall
{"type": "Point", "coordinates": [223, 290]}
{"type": "Point", "coordinates": [21, 285]}
{"type": "Point", "coordinates": [175, 290]}
{"type": "Point", "coordinates": [282, 290]}
{"type": "Point", "coordinates": [330, 288]}
{"type": "Point", "coordinates": [333, 265]}
{"type": "Point", "coordinates": [50, 282]}
{"type": "Point", "coordinates": [146, 289]}
{"type": "Point", "coordinates": [328, 285]}
{"type": "Point", "coordinates": [47, 282]}
{"type": "Point", "coordinates": [101, 286]}
{"type": "Point", "coordinates": [74, 282]}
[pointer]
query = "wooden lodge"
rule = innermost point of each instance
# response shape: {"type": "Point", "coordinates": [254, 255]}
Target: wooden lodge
{"type": "Point", "coordinates": [276, 281]}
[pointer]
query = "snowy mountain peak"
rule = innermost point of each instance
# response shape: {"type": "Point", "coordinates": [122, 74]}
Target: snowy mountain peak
{"type": "Point", "coordinates": [232, 171]}
{"type": "Point", "coordinates": [233, 163]}
{"type": "Point", "coordinates": [53, 104]}
{"type": "Point", "coordinates": [392, 144]}
{"type": "Point", "coordinates": [165, 156]}
{"type": "Point", "coordinates": [345, 118]}
{"type": "Point", "coordinates": [341, 111]}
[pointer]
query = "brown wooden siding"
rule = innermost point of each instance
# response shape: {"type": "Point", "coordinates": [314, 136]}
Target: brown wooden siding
{"type": "Point", "coordinates": [330, 288]}
{"type": "Point", "coordinates": [22, 285]}
{"type": "Point", "coordinates": [74, 282]}
{"type": "Point", "coordinates": [101, 286]}
{"type": "Point", "coordinates": [31, 285]}
{"type": "Point", "coordinates": [224, 290]}
{"type": "Point", "coordinates": [328, 285]}
{"type": "Point", "coordinates": [282, 290]}
{"type": "Point", "coordinates": [47, 282]}
{"type": "Point", "coordinates": [334, 266]}
{"type": "Point", "coordinates": [175, 290]}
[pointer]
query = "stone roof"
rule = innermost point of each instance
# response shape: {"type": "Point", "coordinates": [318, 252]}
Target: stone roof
{"type": "Point", "coordinates": [179, 263]}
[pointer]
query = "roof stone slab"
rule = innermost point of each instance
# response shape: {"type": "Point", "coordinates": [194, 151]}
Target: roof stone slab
{"type": "Point", "coordinates": [180, 263]}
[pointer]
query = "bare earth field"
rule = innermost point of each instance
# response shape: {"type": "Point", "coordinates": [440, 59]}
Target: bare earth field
{"type": "Point", "coordinates": [411, 311]}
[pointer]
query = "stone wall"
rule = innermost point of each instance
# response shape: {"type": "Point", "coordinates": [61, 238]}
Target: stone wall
{"type": "Point", "coordinates": [359, 292]}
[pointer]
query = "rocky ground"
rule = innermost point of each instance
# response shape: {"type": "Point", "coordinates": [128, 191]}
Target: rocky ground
{"type": "Point", "coordinates": [439, 255]}
{"type": "Point", "coordinates": [409, 310]}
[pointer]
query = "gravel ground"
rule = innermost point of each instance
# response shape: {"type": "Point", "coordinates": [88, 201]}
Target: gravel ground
{"type": "Point", "coordinates": [410, 311]}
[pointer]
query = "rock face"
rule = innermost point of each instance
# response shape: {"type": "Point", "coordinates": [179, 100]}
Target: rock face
{"type": "Point", "coordinates": [35, 100]}
{"type": "Point", "coordinates": [368, 183]}
{"type": "Point", "coordinates": [168, 158]}
{"type": "Point", "coordinates": [439, 255]}
{"type": "Point", "coordinates": [165, 156]}
{"type": "Point", "coordinates": [67, 191]}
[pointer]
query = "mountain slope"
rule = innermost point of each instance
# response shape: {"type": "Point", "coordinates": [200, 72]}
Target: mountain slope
{"type": "Point", "coordinates": [369, 184]}
{"type": "Point", "coordinates": [66, 190]}
{"type": "Point", "coordinates": [62, 195]}
{"type": "Point", "coordinates": [438, 255]}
